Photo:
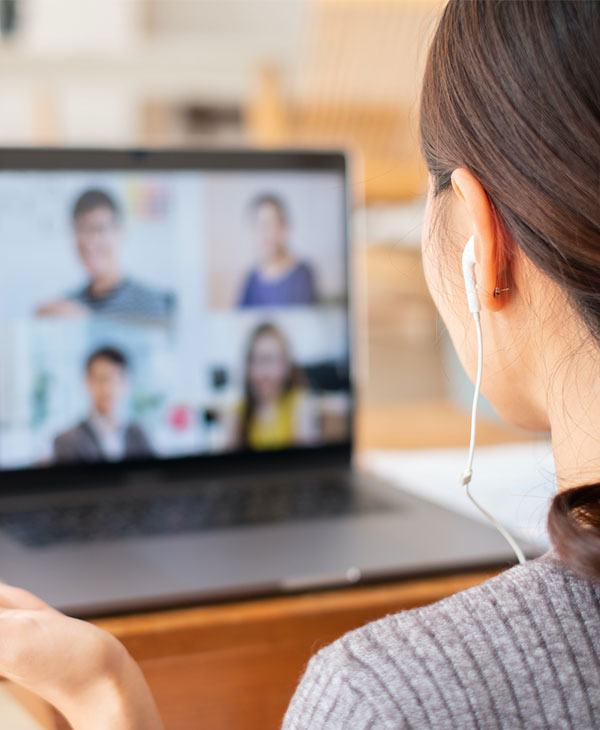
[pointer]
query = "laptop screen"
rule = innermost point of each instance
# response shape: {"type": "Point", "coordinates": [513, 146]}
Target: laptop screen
{"type": "Point", "coordinates": [152, 313]}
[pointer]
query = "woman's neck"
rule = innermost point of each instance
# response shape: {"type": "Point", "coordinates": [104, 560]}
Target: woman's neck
{"type": "Point", "coordinates": [574, 414]}
{"type": "Point", "coordinates": [278, 264]}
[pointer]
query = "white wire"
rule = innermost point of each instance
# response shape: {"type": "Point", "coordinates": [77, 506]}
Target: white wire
{"type": "Point", "coordinates": [465, 478]}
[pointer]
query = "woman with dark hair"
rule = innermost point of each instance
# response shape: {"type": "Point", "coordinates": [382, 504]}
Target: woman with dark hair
{"type": "Point", "coordinates": [276, 411]}
{"type": "Point", "coordinates": [279, 278]}
{"type": "Point", "coordinates": [510, 126]}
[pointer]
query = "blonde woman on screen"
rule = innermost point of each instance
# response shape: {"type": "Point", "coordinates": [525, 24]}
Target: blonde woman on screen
{"type": "Point", "coordinates": [276, 411]}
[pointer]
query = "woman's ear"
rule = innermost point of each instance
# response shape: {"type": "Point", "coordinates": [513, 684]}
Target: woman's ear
{"type": "Point", "coordinates": [491, 269]}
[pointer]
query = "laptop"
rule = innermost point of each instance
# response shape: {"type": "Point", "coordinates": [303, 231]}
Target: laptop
{"type": "Point", "coordinates": [176, 403]}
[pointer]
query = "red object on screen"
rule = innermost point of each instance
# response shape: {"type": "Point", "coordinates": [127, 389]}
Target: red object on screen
{"type": "Point", "coordinates": [180, 417]}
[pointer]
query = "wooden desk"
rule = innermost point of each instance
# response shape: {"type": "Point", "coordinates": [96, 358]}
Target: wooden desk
{"type": "Point", "coordinates": [234, 666]}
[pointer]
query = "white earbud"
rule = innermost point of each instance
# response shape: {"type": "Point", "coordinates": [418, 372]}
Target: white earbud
{"type": "Point", "coordinates": [468, 266]}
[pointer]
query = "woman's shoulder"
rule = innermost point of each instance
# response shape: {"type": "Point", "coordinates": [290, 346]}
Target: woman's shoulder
{"type": "Point", "coordinates": [466, 661]}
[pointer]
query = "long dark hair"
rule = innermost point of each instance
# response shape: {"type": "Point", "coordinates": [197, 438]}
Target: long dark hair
{"type": "Point", "coordinates": [293, 377]}
{"type": "Point", "coordinates": [512, 93]}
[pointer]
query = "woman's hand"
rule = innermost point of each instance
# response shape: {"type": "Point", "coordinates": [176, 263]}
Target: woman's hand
{"type": "Point", "coordinates": [82, 671]}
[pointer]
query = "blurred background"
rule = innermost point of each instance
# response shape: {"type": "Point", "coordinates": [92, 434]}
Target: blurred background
{"type": "Point", "coordinates": [333, 73]}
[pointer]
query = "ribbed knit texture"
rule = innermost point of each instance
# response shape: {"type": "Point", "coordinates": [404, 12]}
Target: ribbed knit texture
{"type": "Point", "coordinates": [519, 651]}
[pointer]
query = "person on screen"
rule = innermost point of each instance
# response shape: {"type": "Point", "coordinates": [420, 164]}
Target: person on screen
{"type": "Point", "coordinates": [279, 278]}
{"type": "Point", "coordinates": [97, 225]}
{"type": "Point", "coordinates": [103, 436]}
{"type": "Point", "coordinates": [276, 411]}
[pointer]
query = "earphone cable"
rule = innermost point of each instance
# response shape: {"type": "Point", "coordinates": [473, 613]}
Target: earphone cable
{"type": "Point", "coordinates": [468, 472]}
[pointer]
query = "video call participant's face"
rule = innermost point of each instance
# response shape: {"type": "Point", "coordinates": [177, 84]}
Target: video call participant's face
{"type": "Point", "coordinates": [270, 231]}
{"type": "Point", "coordinates": [107, 385]}
{"type": "Point", "coordinates": [98, 235]}
{"type": "Point", "coordinates": [268, 368]}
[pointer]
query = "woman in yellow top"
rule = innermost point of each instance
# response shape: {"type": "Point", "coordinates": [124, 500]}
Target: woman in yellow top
{"type": "Point", "coordinates": [276, 412]}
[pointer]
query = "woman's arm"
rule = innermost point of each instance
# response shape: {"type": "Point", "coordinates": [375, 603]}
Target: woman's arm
{"type": "Point", "coordinates": [82, 671]}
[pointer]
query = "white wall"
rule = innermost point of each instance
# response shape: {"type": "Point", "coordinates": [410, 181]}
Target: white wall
{"type": "Point", "coordinates": [70, 27]}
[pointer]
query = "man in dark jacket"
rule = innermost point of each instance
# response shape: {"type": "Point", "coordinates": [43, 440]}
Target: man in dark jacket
{"type": "Point", "coordinates": [102, 436]}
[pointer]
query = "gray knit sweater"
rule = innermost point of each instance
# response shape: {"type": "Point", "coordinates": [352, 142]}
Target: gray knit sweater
{"type": "Point", "coordinates": [519, 651]}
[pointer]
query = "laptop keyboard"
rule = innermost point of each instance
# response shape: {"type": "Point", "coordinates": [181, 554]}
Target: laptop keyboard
{"type": "Point", "coordinates": [206, 507]}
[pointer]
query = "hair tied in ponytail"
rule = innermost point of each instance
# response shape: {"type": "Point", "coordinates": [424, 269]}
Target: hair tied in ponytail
{"type": "Point", "coordinates": [574, 528]}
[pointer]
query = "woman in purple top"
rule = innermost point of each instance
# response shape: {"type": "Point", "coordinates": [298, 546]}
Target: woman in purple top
{"type": "Point", "coordinates": [279, 278]}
